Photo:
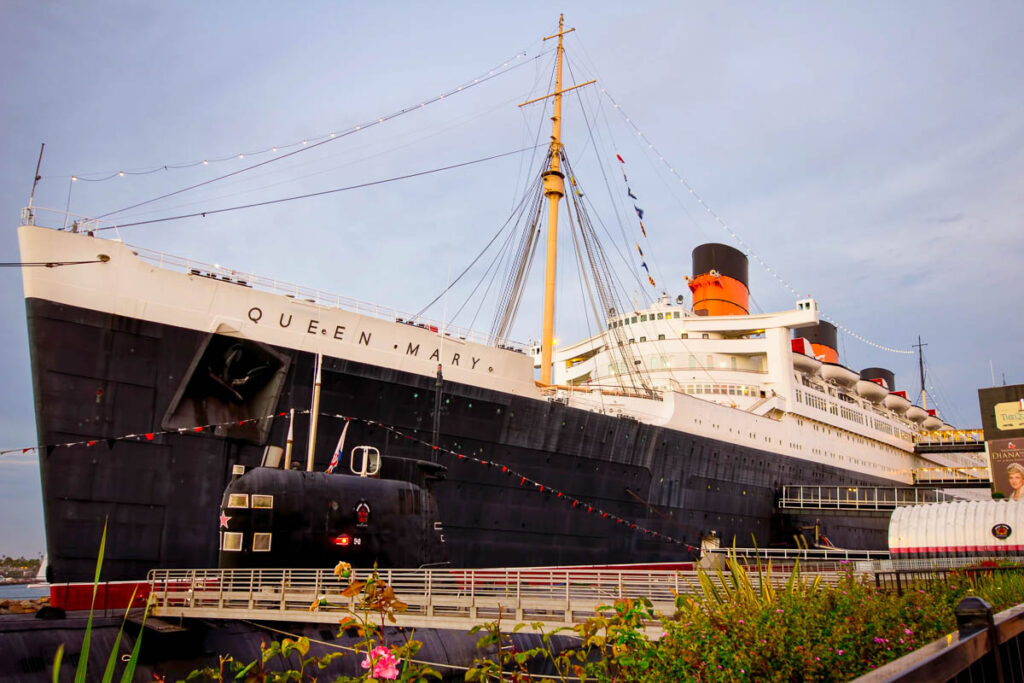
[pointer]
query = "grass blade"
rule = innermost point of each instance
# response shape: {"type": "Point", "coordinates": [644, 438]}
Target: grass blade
{"type": "Point", "coordinates": [108, 674]}
{"type": "Point", "coordinates": [56, 662]}
{"type": "Point", "coordinates": [129, 671]}
{"type": "Point", "coordinates": [83, 658]}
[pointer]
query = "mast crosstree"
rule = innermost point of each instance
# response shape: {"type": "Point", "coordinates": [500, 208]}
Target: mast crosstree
{"type": "Point", "coordinates": [554, 190]}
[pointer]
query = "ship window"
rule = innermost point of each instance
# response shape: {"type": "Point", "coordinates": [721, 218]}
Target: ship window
{"type": "Point", "coordinates": [661, 316]}
{"type": "Point", "coordinates": [633, 320]}
{"type": "Point", "coordinates": [261, 543]}
{"type": "Point", "coordinates": [262, 501]}
{"type": "Point", "coordinates": [643, 318]}
{"type": "Point", "coordinates": [684, 336]}
{"type": "Point", "coordinates": [705, 336]}
{"type": "Point", "coordinates": [661, 337]}
{"type": "Point", "coordinates": [238, 500]}
{"type": "Point", "coordinates": [232, 541]}
{"type": "Point", "coordinates": [643, 339]}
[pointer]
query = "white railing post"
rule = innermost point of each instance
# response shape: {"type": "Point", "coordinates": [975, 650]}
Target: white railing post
{"type": "Point", "coordinates": [430, 594]}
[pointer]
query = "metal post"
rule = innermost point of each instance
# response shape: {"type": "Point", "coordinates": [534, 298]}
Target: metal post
{"type": "Point", "coordinates": [974, 615]}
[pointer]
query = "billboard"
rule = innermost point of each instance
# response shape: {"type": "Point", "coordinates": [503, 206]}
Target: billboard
{"type": "Point", "coordinates": [1006, 458]}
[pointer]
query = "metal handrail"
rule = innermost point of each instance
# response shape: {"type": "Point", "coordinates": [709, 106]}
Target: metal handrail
{"type": "Point", "coordinates": [443, 598]}
{"type": "Point", "coordinates": [857, 497]}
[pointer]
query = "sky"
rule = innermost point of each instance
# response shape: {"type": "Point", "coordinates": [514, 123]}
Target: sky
{"type": "Point", "coordinates": [870, 155]}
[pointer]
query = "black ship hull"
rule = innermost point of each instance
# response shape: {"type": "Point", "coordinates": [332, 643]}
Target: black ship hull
{"type": "Point", "coordinates": [100, 377]}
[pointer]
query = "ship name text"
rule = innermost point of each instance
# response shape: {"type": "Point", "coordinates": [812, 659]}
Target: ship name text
{"type": "Point", "coordinates": [314, 326]}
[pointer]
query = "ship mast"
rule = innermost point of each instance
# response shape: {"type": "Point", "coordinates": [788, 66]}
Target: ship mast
{"type": "Point", "coordinates": [920, 363]}
{"type": "Point", "coordinates": [554, 190]}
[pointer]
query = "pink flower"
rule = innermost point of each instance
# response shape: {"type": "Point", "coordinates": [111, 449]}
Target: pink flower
{"type": "Point", "coordinates": [384, 664]}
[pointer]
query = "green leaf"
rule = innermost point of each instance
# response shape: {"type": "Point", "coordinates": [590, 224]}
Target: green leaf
{"type": "Point", "coordinates": [83, 657]}
{"type": "Point", "coordinates": [244, 671]}
{"type": "Point", "coordinates": [56, 662]}
{"type": "Point", "coordinates": [108, 674]}
{"type": "Point", "coordinates": [129, 671]}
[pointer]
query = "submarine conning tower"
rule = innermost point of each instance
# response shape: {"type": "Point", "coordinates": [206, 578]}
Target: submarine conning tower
{"type": "Point", "coordinates": [823, 340]}
{"type": "Point", "coordinates": [719, 282]}
{"type": "Point", "coordinates": [880, 373]}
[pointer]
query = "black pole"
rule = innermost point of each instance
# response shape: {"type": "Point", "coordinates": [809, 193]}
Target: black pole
{"type": "Point", "coordinates": [35, 180]}
{"type": "Point", "coordinates": [920, 364]}
{"type": "Point", "coordinates": [437, 412]}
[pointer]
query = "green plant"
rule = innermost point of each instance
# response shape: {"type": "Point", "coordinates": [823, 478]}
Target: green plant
{"type": "Point", "coordinates": [81, 671]}
{"type": "Point", "coordinates": [372, 603]}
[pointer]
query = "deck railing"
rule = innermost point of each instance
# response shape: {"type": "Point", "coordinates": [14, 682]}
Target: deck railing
{"type": "Point", "coordinates": [857, 497]}
{"type": "Point", "coordinates": [436, 598]}
{"type": "Point", "coordinates": [309, 295]}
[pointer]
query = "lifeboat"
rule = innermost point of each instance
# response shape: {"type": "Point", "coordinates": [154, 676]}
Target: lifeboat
{"type": "Point", "coordinates": [897, 402]}
{"type": "Point", "coordinates": [872, 390]}
{"type": "Point", "coordinates": [916, 414]}
{"type": "Point", "coordinates": [839, 374]}
{"type": "Point", "coordinates": [932, 422]}
{"type": "Point", "coordinates": [802, 360]}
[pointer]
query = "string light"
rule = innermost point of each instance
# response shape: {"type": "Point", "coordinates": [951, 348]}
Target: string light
{"type": "Point", "coordinates": [746, 248]}
{"type": "Point", "coordinates": [514, 62]}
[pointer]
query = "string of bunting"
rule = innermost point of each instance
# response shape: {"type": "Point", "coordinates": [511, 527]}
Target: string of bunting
{"type": "Point", "coordinates": [725, 226]}
{"type": "Point", "coordinates": [145, 436]}
{"type": "Point", "coordinates": [639, 216]}
{"type": "Point", "coordinates": [524, 480]}
{"type": "Point", "coordinates": [506, 66]}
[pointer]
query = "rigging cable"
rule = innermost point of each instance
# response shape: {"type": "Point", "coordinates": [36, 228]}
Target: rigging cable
{"type": "Point", "coordinates": [746, 248]}
{"type": "Point", "coordinates": [332, 137]}
{"type": "Point", "coordinates": [317, 194]}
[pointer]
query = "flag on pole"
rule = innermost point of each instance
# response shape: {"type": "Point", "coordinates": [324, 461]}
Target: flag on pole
{"type": "Point", "coordinates": [630, 192]}
{"type": "Point", "coordinates": [639, 211]}
{"type": "Point", "coordinates": [337, 451]}
{"type": "Point", "coordinates": [642, 229]}
{"type": "Point", "coordinates": [619, 157]}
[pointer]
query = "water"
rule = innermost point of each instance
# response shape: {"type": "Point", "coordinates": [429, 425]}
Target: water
{"type": "Point", "coordinates": [21, 591]}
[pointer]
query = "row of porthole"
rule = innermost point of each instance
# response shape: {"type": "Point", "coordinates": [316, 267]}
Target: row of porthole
{"type": "Point", "coordinates": [231, 541]}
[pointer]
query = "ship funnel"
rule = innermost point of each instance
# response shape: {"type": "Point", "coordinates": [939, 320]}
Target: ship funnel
{"type": "Point", "coordinates": [719, 282]}
{"type": "Point", "coordinates": [882, 374]}
{"type": "Point", "coordinates": [823, 340]}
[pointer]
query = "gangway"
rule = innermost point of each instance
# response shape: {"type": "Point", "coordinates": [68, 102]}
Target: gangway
{"type": "Point", "coordinates": [953, 477]}
{"type": "Point", "coordinates": [867, 499]}
{"type": "Point", "coordinates": [950, 440]}
{"type": "Point", "coordinates": [436, 598]}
